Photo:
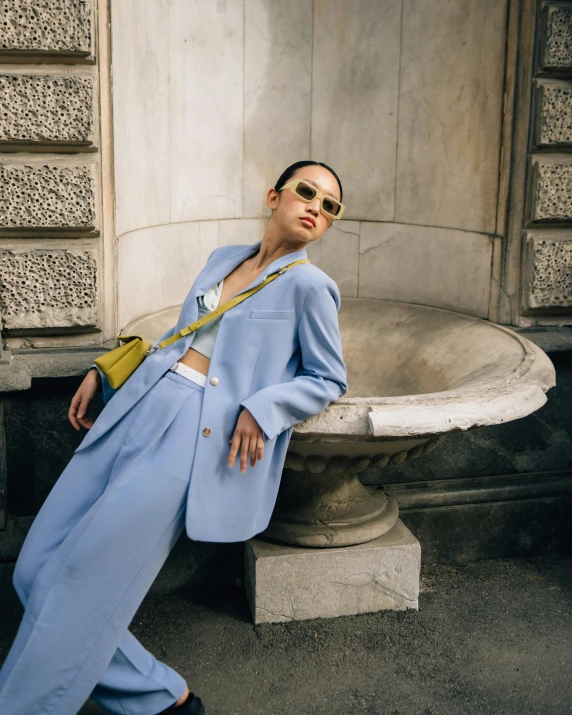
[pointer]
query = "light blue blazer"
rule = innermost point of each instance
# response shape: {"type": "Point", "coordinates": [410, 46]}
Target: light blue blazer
{"type": "Point", "coordinates": [279, 354]}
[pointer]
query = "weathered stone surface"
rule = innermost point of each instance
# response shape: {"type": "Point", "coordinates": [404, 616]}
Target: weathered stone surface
{"type": "Point", "coordinates": [46, 196]}
{"type": "Point", "coordinates": [48, 288]}
{"type": "Point", "coordinates": [552, 191]}
{"type": "Point", "coordinates": [355, 99]}
{"type": "Point", "coordinates": [46, 25]}
{"type": "Point", "coordinates": [206, 99]}
{"type": "Point", "coordinates": [407, 263]}
{"type": "Point", "coordinates": [549, 272]}
{"type": "Point", "coordinates": [557, 41]}
{"type": "Point", "coordinates": [554, 114]}
{"type": "Point", "coordinates": [291, 583]}
{"type": "Point", "coordinates": [46, 108]}
{"type": "Point", "coordinates": [277, 44]}
{"type": "Point", "coordinates": [450, 114]}
{"type": "Point", "coordinates": [337, 253]}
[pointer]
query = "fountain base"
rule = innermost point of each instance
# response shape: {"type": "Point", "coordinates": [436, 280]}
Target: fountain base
{"type": "Point", "coordinates": [291, 583]}
{"type": "Point", "coordinates": [326, 509]}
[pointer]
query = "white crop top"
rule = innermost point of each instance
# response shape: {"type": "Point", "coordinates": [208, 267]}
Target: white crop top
{"type": "Point", "coordinates": [205, 337]}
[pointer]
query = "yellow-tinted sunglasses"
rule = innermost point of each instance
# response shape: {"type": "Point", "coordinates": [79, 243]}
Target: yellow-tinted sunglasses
{"type": "Point", "coordinates": [305, 191]}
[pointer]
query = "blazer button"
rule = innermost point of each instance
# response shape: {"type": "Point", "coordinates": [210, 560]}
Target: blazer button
{"type": "Point", "coordinates": [214, 380]}
{"type": "Point", "coordinates": [206, 431]}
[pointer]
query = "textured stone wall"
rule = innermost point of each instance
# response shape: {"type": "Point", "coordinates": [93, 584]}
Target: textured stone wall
{"type": "Point", "coordinates": [550, 272]}
{"type": "Point", "coordinates": [46, 196]}
{"type": "Point", "coordinates": [552, 199]}
{"type": "Point", "coordinates": [47, 26]}
{"type": "Point", "coordinates": [547, 236]}
{"type": "Point", "coordinates": [48, 288]}
{"type": "Point", "coordinates": [46, 108]}
{"type": "Point", "coordinates": [49, 172]}
{"type": "Point", "coordinates": [553, 125]}
{"type": "Point", "coordinates": [556, 38]}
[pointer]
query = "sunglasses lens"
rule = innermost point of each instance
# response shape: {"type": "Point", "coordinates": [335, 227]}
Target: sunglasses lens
{"type": "Point", "coordinates": [331, 206]}
{"type": "Point", "coordinates": [305, 191]}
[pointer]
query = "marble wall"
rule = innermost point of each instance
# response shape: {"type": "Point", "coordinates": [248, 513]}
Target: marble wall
{"type": "Point", "coordinates": [212, 100]}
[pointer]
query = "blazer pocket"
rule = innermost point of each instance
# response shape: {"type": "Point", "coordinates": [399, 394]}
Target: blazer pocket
{"type": "Point", "coordinates": [271, 314]}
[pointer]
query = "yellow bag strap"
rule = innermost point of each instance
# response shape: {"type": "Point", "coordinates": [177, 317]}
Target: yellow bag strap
{"type": "Point", "coordinates": [228, 305]}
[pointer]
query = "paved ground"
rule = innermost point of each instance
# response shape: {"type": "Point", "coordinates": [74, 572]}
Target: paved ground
{"type": "Point", "coordinates": [489, 637]}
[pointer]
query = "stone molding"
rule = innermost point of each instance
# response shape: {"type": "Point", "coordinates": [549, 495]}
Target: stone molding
{"type": "Point", "coordinates": [465, 491]}
{"type": "Point", "coordinates": [316, 464]}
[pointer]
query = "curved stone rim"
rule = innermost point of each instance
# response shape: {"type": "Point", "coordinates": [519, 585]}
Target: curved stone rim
{"type": "Point", "coordinates": [516, 395]}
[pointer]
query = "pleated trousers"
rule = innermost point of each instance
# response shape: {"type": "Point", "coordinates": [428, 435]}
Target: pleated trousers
{"type": "Point", "coordinates": [92, 553]}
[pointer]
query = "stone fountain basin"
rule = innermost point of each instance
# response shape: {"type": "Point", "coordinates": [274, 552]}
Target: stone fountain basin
{"type": "Point", "coordinates": [415, 373]}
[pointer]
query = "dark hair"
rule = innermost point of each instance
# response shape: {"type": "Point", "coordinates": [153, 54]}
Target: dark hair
{"type": "Point", "coordinates": [291, 170]}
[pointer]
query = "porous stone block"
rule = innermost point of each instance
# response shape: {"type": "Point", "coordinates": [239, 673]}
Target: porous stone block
{"type": "Point", "coordinates": [549, 271]}
{"type": "Point", "coordinates": [291, 583]}
{"type": "Point", "coordinates": [552, 191]}
{"type": "Point", "coordinates": [46, 108]}
{"type": "Point", "coordinates": [557, 37]}
{"type": "Point", "coordinates": [48, 288]}
{"type": "Point", "coordinates": [38, 196]}
{"type": "Point", "coordinates": [62, 26]}
{"type": "Point", "coordinates": [553, 125]}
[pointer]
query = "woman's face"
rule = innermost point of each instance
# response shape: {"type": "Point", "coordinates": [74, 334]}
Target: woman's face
{"type": "Point", "coordinates": [290, 210]}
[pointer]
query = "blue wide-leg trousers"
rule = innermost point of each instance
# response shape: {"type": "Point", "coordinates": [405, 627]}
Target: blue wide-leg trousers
{"type": "Point", "coordinates": [92, 553]}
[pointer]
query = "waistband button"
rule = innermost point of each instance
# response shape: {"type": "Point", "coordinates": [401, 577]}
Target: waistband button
{"type": "Point", "coordinates": [206, 431]}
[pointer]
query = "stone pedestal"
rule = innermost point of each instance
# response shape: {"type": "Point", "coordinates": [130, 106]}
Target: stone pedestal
{"type": "Point", "coordinates": [288, 583]}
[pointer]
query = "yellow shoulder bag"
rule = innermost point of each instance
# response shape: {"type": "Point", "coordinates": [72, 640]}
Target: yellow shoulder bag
{"type": "Point", "coordinates": [118, 364]}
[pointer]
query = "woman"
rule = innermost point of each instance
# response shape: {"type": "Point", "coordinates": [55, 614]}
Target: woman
{"type": "Point", "coordinates": [162, 455]}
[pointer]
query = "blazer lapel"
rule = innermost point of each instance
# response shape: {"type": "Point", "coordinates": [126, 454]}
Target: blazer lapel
{"type": "Point", "coordinates": [221, 269]}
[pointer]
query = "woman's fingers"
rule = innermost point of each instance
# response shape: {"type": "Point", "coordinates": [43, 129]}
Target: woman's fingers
{"type": "Point", "coordinates": [260, 446]}
{"type": "Point", "coordinates": [252, 444]}
{"type": "Point", "coordinates": [84, 419]}
{"type": "Point", "coordinates": [253, 449]}
{"type": "Point", "coordinates": [78, 408]}
{"type": "Point", "coordinates": [235, 444]}
{"type": "Point", "coordinates": [75, 403]}
{"type": "Point", "coordinates": [244, 452]}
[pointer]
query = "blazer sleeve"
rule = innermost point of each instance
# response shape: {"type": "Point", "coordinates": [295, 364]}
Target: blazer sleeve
{"type": "Point", "coordinates": [107, 391]}
{"type": "Point", "coordinates": [321, 377]}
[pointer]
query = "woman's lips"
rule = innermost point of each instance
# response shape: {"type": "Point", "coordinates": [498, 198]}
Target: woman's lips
{"type": "Point", "coordinates": [308, 222]}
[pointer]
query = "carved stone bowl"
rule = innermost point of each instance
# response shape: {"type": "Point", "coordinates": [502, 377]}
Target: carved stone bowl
{"type": "Point", "coordinates": [415, 374]}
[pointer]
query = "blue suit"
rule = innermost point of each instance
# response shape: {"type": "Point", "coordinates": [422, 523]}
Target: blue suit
{"type": "Point", "coordinates": [146, 470]}
{"type": "Point", "coordinates": [279, 354]}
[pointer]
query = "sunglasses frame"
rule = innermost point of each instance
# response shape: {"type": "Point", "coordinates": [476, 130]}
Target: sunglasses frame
{"type": "Point", "coordinates": [292, 185]}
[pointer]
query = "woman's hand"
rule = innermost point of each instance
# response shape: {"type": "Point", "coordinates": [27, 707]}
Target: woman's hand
{"type": "Point", "coordinates": [80, 401]}
{"type": "Point", "coordinates": [248, 433]}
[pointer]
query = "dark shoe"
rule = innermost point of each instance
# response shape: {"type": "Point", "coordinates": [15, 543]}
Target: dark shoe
{"type": "Point", "coordinates": [192, 706]}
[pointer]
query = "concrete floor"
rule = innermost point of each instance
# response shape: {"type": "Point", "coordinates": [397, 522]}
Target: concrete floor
{"type": "Point", "coordinates": [489, 637]}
